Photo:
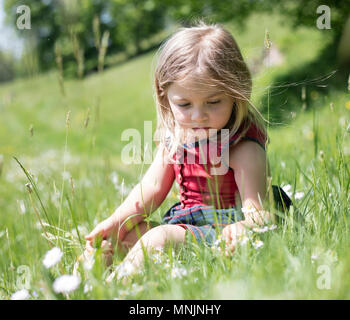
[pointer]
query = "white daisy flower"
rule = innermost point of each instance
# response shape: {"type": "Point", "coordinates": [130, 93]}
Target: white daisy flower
{"type": "Point", "coordinates": [66, 283]}
{"type": "Point", "coordinates": [261, 230]}
{"type": "Point", "coordinates": [157, 258]}
{"type": "Point", "coordinates": [287, 188]}
{"type": "Point", "coordinates": [20, 295]}
{"type": "Point", "coordinates": [52, 257]}
{"type": "Point", "coordinates": [299, 195]}
{"type": "Point", "coordinates": [244, 241]}
{"type": "Point", "coordinates": [272, 227]}
{"type": "Point", "coordinates": [87, 287]}
{"type": "Point", "coordinates": [125, 269]}
{"type": "Point", "coordinates": [178, 272]}
{"type": "Point", "coordinates": [258, 244]}
{"type": "Point", "coordinates": [249, 209]}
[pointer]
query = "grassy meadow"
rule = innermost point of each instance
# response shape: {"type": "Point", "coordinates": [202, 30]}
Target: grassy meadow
{"type": "Point", "coordinates": [70, 146]}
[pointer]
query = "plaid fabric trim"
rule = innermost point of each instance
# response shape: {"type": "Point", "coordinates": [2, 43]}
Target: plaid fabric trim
{"type": "Point", "coordinates": [203, 222]}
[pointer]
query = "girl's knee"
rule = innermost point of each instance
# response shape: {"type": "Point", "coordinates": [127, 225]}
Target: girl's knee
{"type": "Point", "coordinates": [160, 235]}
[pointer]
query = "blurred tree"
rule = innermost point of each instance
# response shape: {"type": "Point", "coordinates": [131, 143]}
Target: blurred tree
{"type": "Point", "coordinates": [7, 71]}
{"type": "Point", "coordinates": [70, 22]}
{"type": "Point", "coordinates": [131, 22]}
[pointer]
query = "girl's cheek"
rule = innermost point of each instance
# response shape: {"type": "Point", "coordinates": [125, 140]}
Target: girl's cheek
{"type": "Point", "coordinates": [180, 115]}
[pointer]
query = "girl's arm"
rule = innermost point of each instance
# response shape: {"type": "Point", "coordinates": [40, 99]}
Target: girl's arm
{"type": "Point", "coordinates": [248, 160]}
{"type": "Point", "coordinates": [145, 197]}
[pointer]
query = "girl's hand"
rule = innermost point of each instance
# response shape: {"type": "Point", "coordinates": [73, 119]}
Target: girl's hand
{"type": "Point", "coordinates": [231, 234]}
{"type": "Point", "coordinates": [105, 229]}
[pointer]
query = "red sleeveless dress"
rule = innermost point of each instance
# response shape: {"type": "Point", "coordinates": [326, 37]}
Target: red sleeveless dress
{"type": "Point", "coordinates": [198, 184]}
{"type": "Point", "coordinates": [208, 189]}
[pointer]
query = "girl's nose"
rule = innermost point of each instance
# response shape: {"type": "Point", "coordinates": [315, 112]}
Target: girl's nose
{"type": "Point", "coordinates": [199, 115]}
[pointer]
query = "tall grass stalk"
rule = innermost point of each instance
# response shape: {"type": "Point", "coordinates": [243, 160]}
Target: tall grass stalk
{"type": "Point", "coordinates": [64, 167]}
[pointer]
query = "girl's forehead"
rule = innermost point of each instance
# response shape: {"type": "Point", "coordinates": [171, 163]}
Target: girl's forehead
{"type": "Point", "coordinates": [190, 86]}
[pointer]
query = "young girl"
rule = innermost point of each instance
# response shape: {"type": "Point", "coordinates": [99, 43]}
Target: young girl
{"type": "Point", "coordinates": [212, 142]}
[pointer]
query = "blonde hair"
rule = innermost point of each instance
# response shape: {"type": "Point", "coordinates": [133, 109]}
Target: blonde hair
{"type": "Point", "coordinates": [204, 52]}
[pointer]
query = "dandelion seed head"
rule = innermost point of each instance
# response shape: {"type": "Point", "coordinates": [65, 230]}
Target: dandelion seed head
{"type": "Point", "coordinates": [66, 283]}
{"type": "Point", "coordinates": [22, 294]}
{"type": "Point", "coordinates": [52, 257]}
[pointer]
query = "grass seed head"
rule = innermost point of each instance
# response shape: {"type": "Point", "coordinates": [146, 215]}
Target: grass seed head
{"type": "Point", "coordinates": [29, 187]}
{"type": "Point", "coordinates": [31, 130]}
{"type": "Point", "coordinates": [267, 41]}
{"type": "Point", "coordinates": [68, 119]}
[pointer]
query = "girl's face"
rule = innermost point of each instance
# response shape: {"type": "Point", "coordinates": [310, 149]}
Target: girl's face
{"type": "Point", "coordinates": [199, 107]}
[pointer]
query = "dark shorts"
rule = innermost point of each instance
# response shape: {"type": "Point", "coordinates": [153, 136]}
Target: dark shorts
{"type": "Point", "coordinates": [205, 223]}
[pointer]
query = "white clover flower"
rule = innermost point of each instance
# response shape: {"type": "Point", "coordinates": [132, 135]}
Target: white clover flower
{"type": "Point", "coordinates": [20, 295]}
{"type": "Point", "coordinates": [258, 244]}
{"type": "Point", "coordinates": [178, 272]}
{"type": "Point", "coordinates": [66, 283]}
{"type": "Point", "coordinates": [299, 195]}
{"type": "Point", "coordinates": [52, 257]}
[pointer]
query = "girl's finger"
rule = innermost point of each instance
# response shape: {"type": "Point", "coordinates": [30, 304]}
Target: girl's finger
{"type": "Point", "coordinates": [88, 245]}
{"type": "Point", "coordinates": [94, 233]}
{"type": "Point", "coordinates": [90, 236]}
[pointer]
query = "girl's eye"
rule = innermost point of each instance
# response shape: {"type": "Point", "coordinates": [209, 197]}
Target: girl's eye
{"type": "Point", "coordinates": [214, 102]}
{"type": "Point", "coordinates": [183, 105]}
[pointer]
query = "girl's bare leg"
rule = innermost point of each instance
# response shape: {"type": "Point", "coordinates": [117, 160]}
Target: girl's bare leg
{"type": "Point", "coordinates": [134, 235]}
{"type": "Point", "coordinates": [155, 238]}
